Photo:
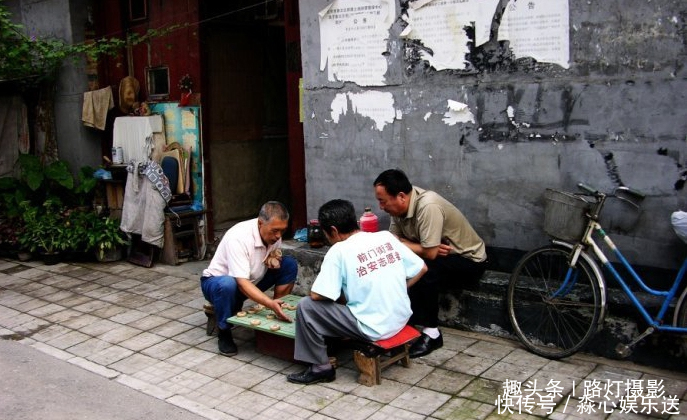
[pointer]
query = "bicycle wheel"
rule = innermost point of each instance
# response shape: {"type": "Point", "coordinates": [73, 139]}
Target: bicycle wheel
{"type": "Point", "coordinates": [680, 317]}
{"type": "Point", "coordinates": [551, 317]}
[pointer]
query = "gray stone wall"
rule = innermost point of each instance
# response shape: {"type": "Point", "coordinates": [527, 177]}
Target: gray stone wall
{"type": "Point", "coordinates": [615, 117]}
{"type": "Point", "coordinates": [66, 20]}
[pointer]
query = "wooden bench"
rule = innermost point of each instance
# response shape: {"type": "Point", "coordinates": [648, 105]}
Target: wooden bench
{"type": "Point", "coordinates": [378, 355]}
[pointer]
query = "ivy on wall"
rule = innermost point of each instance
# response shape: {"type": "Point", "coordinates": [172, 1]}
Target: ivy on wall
{"type": "Point", "coordinates": [31, 60]}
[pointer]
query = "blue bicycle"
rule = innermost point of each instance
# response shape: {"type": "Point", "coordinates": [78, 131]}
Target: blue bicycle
{"type": "Point", "coordinates": [557, 293]}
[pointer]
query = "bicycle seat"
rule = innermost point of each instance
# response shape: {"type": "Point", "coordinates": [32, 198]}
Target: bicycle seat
{"type": "Point", "coordinates": [679, 221]}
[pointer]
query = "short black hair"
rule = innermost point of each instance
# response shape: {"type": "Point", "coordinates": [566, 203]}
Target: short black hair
{"type": "Point", "coordinates": [273, 209]}
{"type": "Point", "coordinates": [394, 182]}
{"type": "Point", "coordinates": [340, 214]}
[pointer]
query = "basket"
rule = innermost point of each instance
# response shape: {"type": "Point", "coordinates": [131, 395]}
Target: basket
{"type": "Point", "coordinates": [564, 215]}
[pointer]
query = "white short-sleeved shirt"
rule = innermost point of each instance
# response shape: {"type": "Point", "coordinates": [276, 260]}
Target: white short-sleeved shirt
{"type": "Point", "coordinates": [241, 253]}
{"type": "Point", "coordinates": [371, 269]}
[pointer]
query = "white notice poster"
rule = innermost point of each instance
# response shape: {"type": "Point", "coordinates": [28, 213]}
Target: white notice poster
{"type": "Point", "coordinates": [538, 29]}
{"type": "Point", "coordinates": [378, 106]}
{"type": "Point", "coordinates": [440, 26]}
{"type": "Point", "coordinates": [353, 37]}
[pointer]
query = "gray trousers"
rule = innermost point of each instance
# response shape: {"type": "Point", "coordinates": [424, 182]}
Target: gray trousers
{"type": "Point", "coordinates": [316, 320]}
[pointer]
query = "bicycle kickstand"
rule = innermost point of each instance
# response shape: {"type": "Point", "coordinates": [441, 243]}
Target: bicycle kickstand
{"type": "Point", "coordinates": [624, 350]}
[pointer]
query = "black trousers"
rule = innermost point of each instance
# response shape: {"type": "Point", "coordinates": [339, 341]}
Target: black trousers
{"type": "Point", "coordinates": [445, 273]}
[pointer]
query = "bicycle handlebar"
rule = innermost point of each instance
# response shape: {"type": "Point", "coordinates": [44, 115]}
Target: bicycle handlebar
{"type": "Point", "coordinates": [590, 190]}
{"type": "Point", "coordinates": [595, 192]}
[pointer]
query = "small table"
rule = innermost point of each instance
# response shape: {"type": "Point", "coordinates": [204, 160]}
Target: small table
{"type": "Point", "coordinates": [272, 343]}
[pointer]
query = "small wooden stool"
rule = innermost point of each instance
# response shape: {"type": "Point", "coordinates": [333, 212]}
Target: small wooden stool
{"type": "Point", "coordinates": [211, 326]}
{"type": "Point", "coordinates": [372, 360]}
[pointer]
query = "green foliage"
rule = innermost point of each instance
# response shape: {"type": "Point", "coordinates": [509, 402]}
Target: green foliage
{"type": "Point", "coordinates": [105, 235]}
{"type": "Point", "coordinates": [34, 59]}
{"type": "Point", "coordinates": [32, 207]}
{"type": "Point", "coordinates": [44, 227]}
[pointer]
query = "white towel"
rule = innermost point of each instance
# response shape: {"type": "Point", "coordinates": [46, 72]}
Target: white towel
{"type": "Point", "coordinates": [130, 134]}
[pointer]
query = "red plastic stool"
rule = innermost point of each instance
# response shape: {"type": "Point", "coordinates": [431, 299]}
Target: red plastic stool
{"type": "Point", "coordinates": [384, 353]}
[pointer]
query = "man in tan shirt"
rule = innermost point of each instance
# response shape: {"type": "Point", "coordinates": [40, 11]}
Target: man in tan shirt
{"type": "Point", "coordinates": [439, 233]}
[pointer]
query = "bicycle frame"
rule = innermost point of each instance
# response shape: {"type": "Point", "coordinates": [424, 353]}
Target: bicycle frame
{"type": "Point", "coordinates": [667, 295]}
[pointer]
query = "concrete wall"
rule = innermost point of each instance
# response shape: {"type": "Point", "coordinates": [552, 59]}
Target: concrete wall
{"type": "Point", "coordinates": [615, 116]}
{"type": "Point", "coordinates": [66, 20]}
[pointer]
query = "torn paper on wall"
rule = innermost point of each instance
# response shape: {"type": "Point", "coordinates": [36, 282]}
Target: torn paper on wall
{"type": "Point", "coordinates": [458, 112]}
{"type": "Point", "coordinates": [440, 26]}
{"type": "Point", "coordinates": [538, 29]}
{"type": "Point", "coordinates": [378, 106]}
{"type": "Point", "coordinates": [353, 38]}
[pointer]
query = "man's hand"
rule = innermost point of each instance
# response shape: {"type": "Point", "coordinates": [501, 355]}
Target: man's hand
{"type": "Point", "coordinates": [273, 260]}
{"type": "Point", "coordinates": [275, 306]}
{"type": "Point", "coordinates": [443, 250]}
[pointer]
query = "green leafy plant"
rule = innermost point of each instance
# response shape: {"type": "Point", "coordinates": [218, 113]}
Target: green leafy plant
{"type": "Point", "coordinates": [44, 227]}
{"type": "Point", "coordinates": [32, 59]}
{"type": "Point", "coordinates": [105, 235]}
{"type": "Point", "coordinates": [79, 224]}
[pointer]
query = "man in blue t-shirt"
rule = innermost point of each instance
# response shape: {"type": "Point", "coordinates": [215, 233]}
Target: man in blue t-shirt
{"type": "Point", "coordinates": [361, 291]}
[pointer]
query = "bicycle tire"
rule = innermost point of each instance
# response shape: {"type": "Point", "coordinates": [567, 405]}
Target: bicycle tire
{"type": "Point", "coordinates": [680, 318]}
{"type": "Point", "coordinates": [553, 327]}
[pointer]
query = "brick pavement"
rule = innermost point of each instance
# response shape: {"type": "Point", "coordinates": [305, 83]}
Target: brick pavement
{"type": "Point", "coordinates": [144, 328]}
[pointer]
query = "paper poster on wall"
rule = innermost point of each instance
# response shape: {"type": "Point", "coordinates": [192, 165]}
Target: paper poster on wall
{"type": "Point", "coordinates": [538, 29]}
{"type": "Point", "coordinates": [353, 38]}
{"type": "Point", "coordinates": [378, 106]}
{"type": "Point", "coordinates": [440, 26]}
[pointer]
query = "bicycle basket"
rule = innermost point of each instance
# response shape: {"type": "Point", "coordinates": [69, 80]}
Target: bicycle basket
{"type": "Point", "coordinates": [564, 215]}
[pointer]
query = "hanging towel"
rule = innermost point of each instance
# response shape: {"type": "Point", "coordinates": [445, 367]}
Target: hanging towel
{"type": "Point", "coordinates": [96, 103]}
{"type": "Point", "coordinates": [130, 133]}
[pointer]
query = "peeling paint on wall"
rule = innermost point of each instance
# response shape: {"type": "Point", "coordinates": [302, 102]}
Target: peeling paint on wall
{"type": "Point", "coordinates": [440, 26]}
{"type": "Point", "coordinates": [458, 113]}
{"type": "Point", "coordinates": [378, 106]}
{"type": "Point", "coordinates": [538, 29]}
{"type": "Point", "coordinates": [353, 35]}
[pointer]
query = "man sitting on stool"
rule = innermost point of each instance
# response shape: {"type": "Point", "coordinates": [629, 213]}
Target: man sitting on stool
{"type": "Point", "coordinates": [370, 274]}
{"type": "Point", "coordinates": [248, 262]}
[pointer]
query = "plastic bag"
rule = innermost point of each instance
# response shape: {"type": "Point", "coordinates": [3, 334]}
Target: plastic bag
{"type": "Point", "coordinates": [102, 174]}
{"type": "Point", "coordinates": [301, 235]}
{"type": "Point", "coordinates": [679, 221]}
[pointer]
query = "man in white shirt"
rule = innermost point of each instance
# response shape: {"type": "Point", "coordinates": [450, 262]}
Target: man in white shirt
{"type": "Point", "coordinates": [247, 262]}
{"type": "Point", "coordinates": [360, 292]}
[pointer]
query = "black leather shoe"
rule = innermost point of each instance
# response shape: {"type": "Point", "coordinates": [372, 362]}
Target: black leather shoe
{"type": "Point", "coordinates": [226, 344]}
{"type": "Point", "coordinates": [308, 377]}
{"type": "Point", "coordinates": [425, 345]}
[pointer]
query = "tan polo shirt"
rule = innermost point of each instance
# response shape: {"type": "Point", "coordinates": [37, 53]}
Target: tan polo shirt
{"type": "Point", "coordinates": [431, 218]}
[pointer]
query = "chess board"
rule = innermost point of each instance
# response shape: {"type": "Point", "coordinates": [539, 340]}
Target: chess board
{"type": "Point", "coordinates": [286, 329]}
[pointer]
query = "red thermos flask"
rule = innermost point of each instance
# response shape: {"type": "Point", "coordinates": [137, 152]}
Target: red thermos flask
{"type": "Point", "coordinates": [368, 221]}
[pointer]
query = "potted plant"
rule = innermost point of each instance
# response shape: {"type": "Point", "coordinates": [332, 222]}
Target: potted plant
{"type": "Point", "coordinates": [44, 230]}
{"type": "Point", "coordinates": [106, 239]}
{"type": "Point", "coordinates": [79, 223]}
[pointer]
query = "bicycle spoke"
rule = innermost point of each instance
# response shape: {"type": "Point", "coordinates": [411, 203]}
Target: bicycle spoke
{"type": "Point", "coordinates": [551, 316]}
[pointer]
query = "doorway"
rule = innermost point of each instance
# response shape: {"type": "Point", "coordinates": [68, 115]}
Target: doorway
{"type": "Point", "coordinates": [246, 123]}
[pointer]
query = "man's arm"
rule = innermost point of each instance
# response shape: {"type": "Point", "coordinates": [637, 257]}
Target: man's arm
{"type": "Point", "coordinates": [440, 250]}
{"type": "Point", "coordinates": [253, 293]}
{"type": "Point", "coordinates": [415, 279]}
{"type": "Point", "coordinates": [317, 296]}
